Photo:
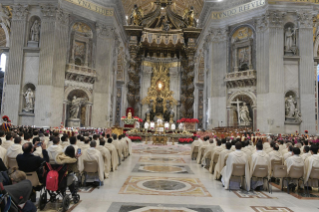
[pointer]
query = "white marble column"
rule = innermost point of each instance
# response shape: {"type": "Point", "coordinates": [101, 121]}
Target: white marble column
{"type": "Point", "coordinates": [15, 62]}
{"type": "Point", "coordinates": [105, 44]}
{"type": "Point", "coordinates": [306, 73]}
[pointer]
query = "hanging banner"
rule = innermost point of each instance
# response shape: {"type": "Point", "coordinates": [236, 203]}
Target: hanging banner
{"type": "Point", "coordinates": [239, 9]}
{"type": "Point", "coordinates": [93, 7]}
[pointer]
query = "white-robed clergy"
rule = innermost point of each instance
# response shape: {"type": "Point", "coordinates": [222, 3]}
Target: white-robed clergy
{"type": "Point", "coordinates": [8, 142]}
{"type": "Point", "coordinates": [289, 153]}
{"type": "Point", "coordinates": [106, 157]}
{"type": "Point", "coordinates": [208, 151]}
{"type": "Point", "coordinates": [195, 147]}
{"type": "Point", "coordinates": [92, 154]}
{"type": "Point", "coordinates": [236, 157]}
{"type": "Point", "coordinates": [124, 145]}
{"type": "Point", "coordinates": [129, 143]}
{"type": "Point", "coordinates": [64, 142]}
{"type": "Point", "coordinates": [113, 151]}
{"type": "Point", "coordinates": [216, 150]}
{"type": "Point", "coordinates": [54, 150]}
{"type": "Point", "coordinates": [260, 157]}
{"type": "Point", "coordinates": [201, 149]}
{"type": "Point", "coordinates": [274, 155]}
{"type": "Point", "coordinates": [306, 153]}
{"type": "Point", "coordinates": [221, 161]}
{"type": "Point", "coordinates": [310, 163]}
{"type": "Point", "coordinates": [13, 151]}
{"type": "Point", "coordinates": [3, 152]}
{"type": "Point", "coordinates": [294, 160]}
{"type": "Point", "coordinates": [73, 142]}
{"type": "Point", "coordinates": [86, 144]}
{"type": "Point", "coordinates": [118, 147]}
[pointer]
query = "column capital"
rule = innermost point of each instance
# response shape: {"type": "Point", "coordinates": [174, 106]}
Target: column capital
{"type": "Point", "coordinates": [48, 11]}
{"type": "Point", "coordinates": [104, 31]}
{"type": "Point", "coordinates": [62, 17]}
{"type": "Point", "coordinates": [305, 19]}
{"type": "Point", "coordinates": [20, 12]}
{"type": "Point", "coordinates": [276, 18]}
{"type": "Point", "coordinates": [262, 23]}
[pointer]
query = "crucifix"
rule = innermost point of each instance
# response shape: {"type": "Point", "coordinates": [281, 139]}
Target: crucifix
{"type": "Point", "coordinates": [237, 102]}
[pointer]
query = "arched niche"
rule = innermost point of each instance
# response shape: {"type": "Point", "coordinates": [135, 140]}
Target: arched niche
{"type": "Point", "coordinates": [81, 45]}
{"type": "Point", "coordinates": [3, 37]}
{"type": "Point", "coordinates": [28, 98]}
{"type": "Point", "coordinates": [292, 106]}
{"type": "Point", "coordinates": [242, 48]}
{"type": "Point", "coordinates": [78, 107]}
{"type": "Point", "coordinates": [33, 32]}
{"type": "Point", "coordinates": [237, 103]}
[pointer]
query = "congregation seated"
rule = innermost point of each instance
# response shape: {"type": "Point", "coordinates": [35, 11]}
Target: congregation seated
{"type": "Point", "coordinates": [118, 147]}
{"type": "Point", "coordinates": [92, 154]}
{"type": "Point", "coordinates": [3, 151]}
{"type": "Point", "coordinates": [208, 152]}
{"type": "Point", "coordinates": [106, 157]}
{"type": "Point", "coordinates": [194, 147]}
{"type": "Point", "coordinates": [54, 149]}
{"type": "Point", "coordinates": [221, 160]}
{"type": "Point", "coordinates": [8, 142]}
{"type": "Point", "coordinates": [38, 149]}
{"type": "Point", "coordinates": [73, 142]}
{"type": "Point", "coordinates": [306, 153]}
{"type": "Point", "coordinates": [310, 163]}
{"type": "Point", "coordinates": [86, 144]}
{"type": "Point", "coordinates": [13, 151]}
{"type": "Point", "coordinates": [113, 151]}
{"type": "Point", "coordinates": [218, 148]}
{"type": "Point", "coordinates": [235, 157]}
{"type": "Point", "coordinates": [289, 153]}
{"type": "Point", "coordinates": [201, 149]}
{"type": "Point", "coordinates": [65, 142]}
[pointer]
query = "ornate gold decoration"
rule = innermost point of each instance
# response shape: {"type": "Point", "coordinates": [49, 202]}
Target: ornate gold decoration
{"type": "Point", "coordinates": [242, 33]}
{"type": "Point", "coordinates": [117, 130]}
{"type": "Point", "coordinates": [106, 11]}
{"type": "Point", "coordinates": [189, 17]}
{"type": "Point", "coordinates": [168, 65]}
{"type": "Point", "coordinates": [160, 75]}
{"type": "Point", "coordinates": [136, 16]}
{"type": "Point", "coordinates": [81, 27]}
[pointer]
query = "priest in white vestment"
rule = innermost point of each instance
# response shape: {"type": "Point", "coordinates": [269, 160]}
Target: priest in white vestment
{"type": "Point", "coordinates": [65, 143]}
{"type": "Point", "coordinates": [113, 151]}
{"type": "Point", "coordinates": [73, 142]}
{"type": "Point", "coordinates": [8, 142]}
{"type": "Point", "coordinates": [86, 144]}
{"type": "Point", "coordinates": [216, 151]}
{"type": "Point", "coordinates": [118, 147]}
{"type": "Point", "coordinates": [3, 152]}
{"type": "Point", "coordinates": [310, 163]}
{"type": "Point", "coordinates": [288, 154]}
{"type": "Point", "coordinates": [295, 160]}
{"type": "Point", "coordinates": [92, 154]}
{"type": "Point", "coordinates": [13, 151]}
{"type": "Point", "coordinates": [274, 155]}
{"type": "Point", "coordinates": [306, 153]}
{"type": "Point", "coordinates": [122, 142]}
{"type": "Point", "coordinates": [197, 142]}
{"type": "Point", "coordinates": [236, 157]}
{"type": "Point", "coordinates": [201, 150]}
{"type": "Point", "coordinates": [129, 144]}
{"type": "Point", "coordinates": [54, 150]}
{"type": "Point", "coordinates": [208, 151]}
{"type": "Point", "coordinates": [106, 156]}
{"type": "Point", "coordinates": [260, 157]}
{"type": "Point", "coordinates": [221, 161]}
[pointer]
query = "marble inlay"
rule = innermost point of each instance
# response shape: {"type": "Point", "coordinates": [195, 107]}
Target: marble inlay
{"type": "Point", "coordinates": [146, 207]}
{"type": "Point", "coordinates": [164, 185]}
{"type": "Point", "coordinates": [253, 194]}
{"type": "Point", "coordinates": [164, 150]}
{"type": "Point", "coordinates": [169, 186]}
{"type": "Point", "coordinates": [270, 209]}
{"type": "Point", "coordinates": [314, 194]}
{"type": "Point", "coordinates": [148, 159]}
{"type": "Point", "coordinates": [162, 168]}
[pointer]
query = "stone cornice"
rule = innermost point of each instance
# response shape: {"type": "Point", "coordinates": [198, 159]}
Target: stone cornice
{"type": "Point", "coordinates": [105, 31]}
{"type": "Point", "coordinates": [276, 18]}
{"type": "Point", "coordinates": [20, 12]}
{"type": "Point", "coordinates": [305, 19]}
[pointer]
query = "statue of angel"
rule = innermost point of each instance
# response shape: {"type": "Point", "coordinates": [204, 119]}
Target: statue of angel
{"type": "Point", "coordinates": [75, 107]}
{"type": "Point", "coordinates": [136, 16]}
{"type": "Point", "coordinates": [5, 16]}
{"type": "Point", "coordinates": [189, 17]}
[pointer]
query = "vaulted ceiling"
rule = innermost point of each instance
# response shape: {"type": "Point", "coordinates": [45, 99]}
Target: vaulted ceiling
{"type": "Point", "coordinates": [178, 6]}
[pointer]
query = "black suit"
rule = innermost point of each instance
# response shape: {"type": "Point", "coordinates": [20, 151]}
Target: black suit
{"type": "Point", "coordinates": [28, 162]}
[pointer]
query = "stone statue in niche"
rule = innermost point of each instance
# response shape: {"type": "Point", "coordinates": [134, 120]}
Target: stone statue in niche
{"type": "Point", "coordinates": [29, 101]}
{"type": "Point", "coordinates": [290, 104]}
{"type": "Point", "coordinates": [189, 17]}
{"type": "Point", "coordinates": [5, 16]}
{"type": "Point", "coordinates": [291, 41]}
{"type": "Point", "coordinates": [75, 107]}
{"type": "Point", "coordinates": [34, 35]}
{"type": "Point", "coordinates": [244, 115]}
{"type": "Point", "coordinates": [136, 16]}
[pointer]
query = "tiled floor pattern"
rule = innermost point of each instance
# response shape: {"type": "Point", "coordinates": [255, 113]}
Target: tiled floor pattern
{"type": "Point", "coordinates": [301, 194]}
{"type": "Point", "coordinates": [199, 192]}
{"type": "Point", "coordinates": [150, 159]}
{"type": "Point", "coordinates": [162, 168]}
{"type": "Point", "coordinates": [167, 186]}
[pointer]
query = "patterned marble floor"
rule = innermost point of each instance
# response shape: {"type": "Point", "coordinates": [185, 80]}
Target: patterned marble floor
{"type": "Point", "coordinates": [160, 188]}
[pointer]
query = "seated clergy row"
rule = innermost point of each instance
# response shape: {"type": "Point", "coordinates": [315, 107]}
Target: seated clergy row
{"type": "Point", "coordinates": [30, 151]}
{"type": "Point", "coordinates": [218, 156]}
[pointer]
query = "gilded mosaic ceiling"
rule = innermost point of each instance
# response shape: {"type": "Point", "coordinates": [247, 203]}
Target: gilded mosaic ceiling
{"type": "Point", "coordinates": [178, 6]}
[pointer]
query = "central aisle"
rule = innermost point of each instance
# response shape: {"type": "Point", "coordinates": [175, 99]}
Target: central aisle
{"type": "Point", "coordinates": [165, 177]}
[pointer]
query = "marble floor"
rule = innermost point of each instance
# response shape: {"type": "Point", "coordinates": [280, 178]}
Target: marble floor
{"type": "Point", "coordinates": [164, 179]}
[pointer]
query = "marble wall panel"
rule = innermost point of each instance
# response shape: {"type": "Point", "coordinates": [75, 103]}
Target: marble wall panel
{"type": "Point", "coordinates": [31, 68]}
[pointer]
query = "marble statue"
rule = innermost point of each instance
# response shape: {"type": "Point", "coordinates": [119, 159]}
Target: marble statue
{"type": "Point", "coordinates": [297, 116]}
{"type": "Point", "coordinates": [129, 115]}
{"type": "Point", "coordinates": [290, 104]}
{"type": "Point", "coordinates": [4, 14]}
{"type": "Point", "coordinates": [29, 100]}
{"type": "Point", "coordinates": [35, 31]}
{"type": "Point", "coordinates": [75, 107]}
{"type": "Point", "coordinates": [244, 115]}
{"type": "Point", "coordinates": [166, 26]}
{"type": "Point", "coordinates": [290, 40]}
